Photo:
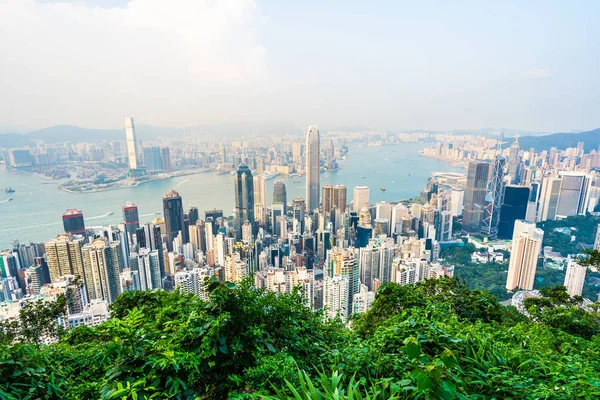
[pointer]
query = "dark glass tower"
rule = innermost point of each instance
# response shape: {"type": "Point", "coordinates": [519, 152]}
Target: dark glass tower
{"type": "Point", "coordinates": [513, 208]}
{"type": "Point", "coordinates": [174, 215]}
{"type": "Point", "coordinates": [280, 195]}
{"type": "Point", "coordinates": [475, 192]}
{"type": "Point", "coordinates": [244, 197]}
{"type": "Point", "coordinates": [131, 219]}
{"type": "Point", "coordinates": [73, 222]}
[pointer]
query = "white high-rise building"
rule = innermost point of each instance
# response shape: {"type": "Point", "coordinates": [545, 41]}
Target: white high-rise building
{"type": "Point", "coordinates": [574, 194]}
{"type": "Point", "coordinates": [457, 199]}
{"type": "Point", "coordinates": [549, 198]}
{"type": "Point", "coordinates": [362, 300]}
{"type": "Point", "coordinates": [313, 186]}
{"type": "Point", "coordinates": [335, 297]}
{"type": "Point", "coordinates": [132, 155]}
{"type": "Point", "coordinates": [526, 246]}
{"type": "Point", "coordinates": [597, 241]}
{"type": "Point", "coordinates": [361, 198]}
{"type": "Point", "coordinates": [574, 278]}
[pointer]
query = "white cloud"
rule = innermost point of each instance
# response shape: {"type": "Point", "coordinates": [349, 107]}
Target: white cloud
{"type": "Point", "coordinates": [537, 73]}
{"type": "Point", "coordinates": [75, 63]}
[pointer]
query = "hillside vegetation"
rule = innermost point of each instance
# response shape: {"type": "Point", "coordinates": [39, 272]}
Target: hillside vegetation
{"type": "Point", "coordinates": [438, 339]}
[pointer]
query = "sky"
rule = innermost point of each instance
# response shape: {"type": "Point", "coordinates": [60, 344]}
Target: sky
{"type": "Point", "coordinates": [394, 65]}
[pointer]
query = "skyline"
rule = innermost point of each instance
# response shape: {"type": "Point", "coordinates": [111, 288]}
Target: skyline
{"type": "Point", "coordinates": [390, 66]}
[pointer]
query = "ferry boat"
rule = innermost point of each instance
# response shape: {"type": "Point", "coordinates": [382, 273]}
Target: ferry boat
{"type": "Point", "coordinates": [9, 190]}
{"type": "Point", "coordinates": [382, 189]}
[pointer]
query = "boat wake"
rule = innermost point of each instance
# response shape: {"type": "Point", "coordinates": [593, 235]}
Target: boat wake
{"type": "Point", "coordinates": [101, 216]}
{"type": "Point", "coordinates": [180, 183]}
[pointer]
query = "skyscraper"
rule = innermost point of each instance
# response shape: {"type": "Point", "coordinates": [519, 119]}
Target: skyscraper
{"type": "Point", "coordinates": [514, 207]}
{"type": "Point", "coordinates": [153, 159]}
{"type": "Point", "coordinates": [73, 222]}
{"type": "Point", "coordinates": [131, 219]}
{"type": "Point", "coordinates": [574, 194]}
{"type": "Point", "coordinates": [174, 217]}
{"type": "Point", "coordinates": [63, 256]}
{"type": "Point", "coordinates": [244, 197]}
{"type": "Point", "coordinates": [103, 263]}
{"type": "Point", "coordinates": [279, 194]}
{"type": "Point", "coordinates": [574, 278]}
{"type": "Point", "coordinates": [526, 246]}
{"type": "Point", "coordinates": [338, 198]}
{"type": "Point", "coordinates": [475, 192]}
{"type": "Point", "coordinates": [132, 155]}
{"type": "Point", "coordinates": [166, 158]}
{"type": "Point", "coordinates": [493, 198]}
{"type": "Point", "coordinates": [361, 198]}
{"type": "Point", "coordinates": [597, 240]}
{"type": "Point", "coordinates": [312, 168]}
{"type": "Point", "coordinates": [514, 160]}
{"type": "Point", "coordinates": [549, 198]}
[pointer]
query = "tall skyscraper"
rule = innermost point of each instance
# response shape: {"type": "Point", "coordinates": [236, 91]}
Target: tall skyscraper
{"type": "Point", "coordinates": [475, 192]}
{"type": "Point", "coordinates": [132, 149]}
{"type": "Point", "coordinates": [63, 256]}
{"type": "Point", "coordinates": [131, 219]}
{"type": "Point", "coordinates": [493, 198]}
{"type": "Point", "coordinates": [73, 222]}
{"type": "Point", "coordinates": [514, 207]}
{"type": "Point", "coordinates": [312, 168]}
{"type": "Point", "coordinates": [360, 198]}
{"type": "Point", "coordinates": [166, 158]}
{"type": "Point", "coordinates": [103, 263]}
{"type": "Point", "coordinates": [549, 198]}
{"type": "Point", "coordinates": [153, 160]}
{"type": "Point", "coordinates": [338, 198]}
{"type": "Point", "coordinates": [297, 152]}
{"type": "Point", "coordinates": [574, 278]}
{"type": "Point", "coordinates": [260, 198]}
{"type": "Point", "coordinates": [514, 160]}
{"type": "Point", "coordinates": [280, 194]}
{"type": "Point", "coordinates": [526, 246]}
{"type": "Point", "coordinates": [244, 197]}
{"type": "Point", "coordinates": [574, 194]}
{"type": "Point", "coordinates": [174, 217]}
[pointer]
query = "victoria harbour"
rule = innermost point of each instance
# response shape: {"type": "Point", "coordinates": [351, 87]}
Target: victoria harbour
{"type": "Point", "coordinates": [35, 212]}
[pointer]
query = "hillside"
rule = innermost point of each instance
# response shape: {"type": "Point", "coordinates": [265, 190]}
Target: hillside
{"type": "Point", "coordinates": [72, 133]}
{"type": "Point", "coordinates": [561, 141]}
{"type": "Point", "coordinates": [437, 339]}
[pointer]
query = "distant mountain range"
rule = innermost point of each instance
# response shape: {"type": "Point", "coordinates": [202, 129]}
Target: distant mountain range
{"type": "Point", "coordinates": [591, 140]}
{"type": "Point", "coordinates": [63, 133]}
{"type": "Point", "coordinates": [72, 133]}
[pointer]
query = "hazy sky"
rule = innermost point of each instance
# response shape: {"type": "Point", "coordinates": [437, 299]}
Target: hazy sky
{"type": "Point", "coordinates": [530, 65]}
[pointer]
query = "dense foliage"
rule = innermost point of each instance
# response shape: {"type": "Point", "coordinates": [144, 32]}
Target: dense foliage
{"type": "Point", "coordinates": [437, 339]}
{"type": "Point", "coordinates": [565, 234]}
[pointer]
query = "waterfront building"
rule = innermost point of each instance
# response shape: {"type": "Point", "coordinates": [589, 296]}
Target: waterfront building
{"type": "Point", "coordinates": [131, 219]}
{"type": "Point", "coordinates": [174, 217]}
{"type": "Point", "coordinates": [153, 160]}
{"type": "Point", "coordinates": [131, 142]}
{"type": "Point", "coordinates": [73, 222]}
{"type": "Point", "coordinates": [360, 198]}
{"type": "Point", "coordinates": [280, 195]}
